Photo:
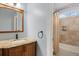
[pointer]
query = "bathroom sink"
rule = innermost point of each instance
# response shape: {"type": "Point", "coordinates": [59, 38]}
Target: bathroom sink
{"type": "Point", "coordinates": [15, 42]}
{"type": "Point", "coordinates": [18, 40]}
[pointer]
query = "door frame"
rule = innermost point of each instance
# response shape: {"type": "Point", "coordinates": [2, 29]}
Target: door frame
{"type": "Point", "coordinates": [56, 26]}
{"type": "Point", "coordinates": [56, 36]}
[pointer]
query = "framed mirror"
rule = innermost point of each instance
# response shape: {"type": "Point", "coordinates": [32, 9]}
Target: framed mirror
{"type": "Point", "coordinates": [11, 19]}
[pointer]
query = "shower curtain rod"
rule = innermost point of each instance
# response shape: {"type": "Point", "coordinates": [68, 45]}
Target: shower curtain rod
{"type": "Point", "coordinates": [67, 6]}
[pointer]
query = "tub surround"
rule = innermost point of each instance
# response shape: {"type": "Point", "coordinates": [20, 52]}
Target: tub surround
{"type": "Point", "coordinates": [71, 34]}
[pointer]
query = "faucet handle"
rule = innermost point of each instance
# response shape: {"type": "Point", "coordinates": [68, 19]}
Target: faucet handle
{"type": "Point", "coordinates": [16, 36]}
{"type": "Point", "coordinates": [64, 28]}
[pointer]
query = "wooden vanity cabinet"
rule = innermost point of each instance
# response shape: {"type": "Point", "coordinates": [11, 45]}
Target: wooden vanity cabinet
{"type": "Point", "coordinates": [30, 49]}
{"type": "Point", "coordinates": [17, 51]}
{"type": "Point", "coordinates": [23, 50]}
{"type": "Point", "coordinates": [0, 52]}
{"type": "Point", "coordinates": [14, 51]}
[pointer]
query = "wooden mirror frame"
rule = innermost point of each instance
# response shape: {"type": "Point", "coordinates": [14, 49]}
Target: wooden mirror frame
{"type": "Point", "coordinates": [21, 11]}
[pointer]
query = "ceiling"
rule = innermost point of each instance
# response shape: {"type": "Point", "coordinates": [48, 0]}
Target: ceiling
{"type": "Point", "coordinates": [58, 6]}
{"type": "Point", "coordinates": [66, 7]}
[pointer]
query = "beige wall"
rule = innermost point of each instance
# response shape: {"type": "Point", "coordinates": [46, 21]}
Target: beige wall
{"type": "Point", "coordinates": [71, 23]}
{"type": "Point", "coordinates": [71, 35]}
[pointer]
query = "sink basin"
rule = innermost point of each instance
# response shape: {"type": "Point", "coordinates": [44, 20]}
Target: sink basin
{"type": "Point", "coordinates": [15, 42]}
{"type": "Point", "coordinates": [18, 40]}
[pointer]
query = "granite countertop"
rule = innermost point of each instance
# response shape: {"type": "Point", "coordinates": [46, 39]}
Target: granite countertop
{"type": "Point", "coordinates": [16, 42]}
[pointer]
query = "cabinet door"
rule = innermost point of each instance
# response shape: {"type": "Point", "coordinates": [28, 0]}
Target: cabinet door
{"type": "Point", "coordinates": [16, 51]}
{"type": "Point", "coordinates": [30, 49]}
{"type": "Point", "coordinates": [0, 52]}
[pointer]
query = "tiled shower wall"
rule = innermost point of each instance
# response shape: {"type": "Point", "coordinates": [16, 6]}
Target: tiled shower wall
{"type": "Point", "coordinates": [71, 33]}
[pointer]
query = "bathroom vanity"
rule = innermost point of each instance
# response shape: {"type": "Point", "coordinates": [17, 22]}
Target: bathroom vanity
{"type": "Point", "coordinates": [21, 47]}
{"type": "Point", "coordinates": [12, 21]}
